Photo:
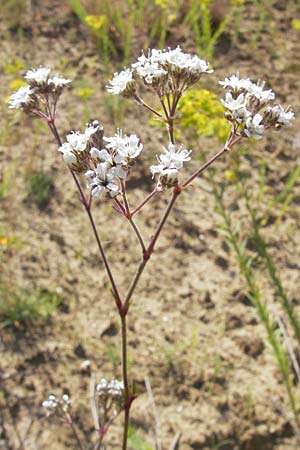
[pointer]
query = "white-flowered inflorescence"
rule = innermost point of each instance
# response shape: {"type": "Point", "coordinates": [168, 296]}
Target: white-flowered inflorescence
{"type": "Point", "coordinates": [58, 81]}
{"type": "Point", "coordinates": [169, 164]}
{"type": "Point", "coordinates": [112, 163]}
{"type": "Point", "coordinates": [103, 179]}
{"type": "Point", "coordinates": [75, 151]}
{"type": "Point", "coordinates": [60, 406]}
{"type": "Point", "coordinates": [126, 148]}
{"type": "Point", "coordinates": [122, 83]}
{"type": "Point", "coordinates": [38, 75]}
{"type": "Point", "coordinates": [22, 98]}
{"type": "Point", "coordinates": [165, 70]}
{"type": "Point", "coordinates": [40, 88]}
{"type": "Point", "coordinates": [250, 108]}
{"type": "Point", "coordinates": [113, 388]}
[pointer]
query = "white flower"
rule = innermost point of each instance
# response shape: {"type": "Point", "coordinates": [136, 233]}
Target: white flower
{"type": "Point", "coordinates": [235, 83]}
{"type": "Point", "coordinates": [116, 388]}
{"type": "Point", "coordinates": [78, 140]}
{"type": "Point", "coordinates": [150, 71]}
{"type": "Point", "coordinates": [21, 97]}
{"type": "Point", "coordinates": [102, 386]}
{"type": "Point", "coordinates": [102, 179]}
{"type": "Point", "coordinates": [121, 82]}
{"type": "Point", "coordinates": [258, 91]}
{"type": "Point", "coordinates": [51, 404]}
{"type": "Point", "coordinates": [159, 62]}
{"type": "Point", "coordinates": [170, 162]}
{"type": "Point", "coordinates": [101, 155]}
{"type": "Point", "coordinates": [58, 81]}
{"type": "Point", "coordinates": [68, 154]}
{"type": "Point", "coordinates": [115, 142]}
{"type": "Point", "coordinates": [285, 117]}
{"type": "Point", "coordinates": [38, 75]}
{"type": "Point", "coordinates": [113, 388]}
{"type": "Point", "coordinates": [178, 58]}
{"type": "Point", "coordinates": [65, 403]}
{"type": "Point", "coordinates": [254, 127]}
{"type": "Point", "coordinates": [127, 147]}
{"type": "Point", "coordinates": [234, 104]}
{"type": "Point", "coordinates": [91, 129]}
{"type": "Point", "coordinates": [150, 68]}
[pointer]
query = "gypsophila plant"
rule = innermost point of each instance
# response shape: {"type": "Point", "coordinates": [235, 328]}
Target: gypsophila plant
{"type": "Point", "coordinates": [107, 162]}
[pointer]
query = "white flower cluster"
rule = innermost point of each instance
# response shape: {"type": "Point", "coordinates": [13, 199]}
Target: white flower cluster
{"type": "Point", "coordinates": [122, 82]}
{"type": "Point", "coordinates": [170, 162]}
{"type": "Point", "coordinates": [39, 83]}
{"type": "Point", "coordinates": [250, 107]}
{"type": "Point", "coordinates": [53, 405]}
{"type": "Point", "coordinates": [40, 76]}
{"type": "Point", "coordinates": [112, 163]}
{"type": "Point", "coordinates": [166, 70]}
{"type": "Point", "coordinates": [113, 389]}
{"type": "Point", "coordinates": [104, 160]}
{"type": "Point", "coordinates": [21, 98]}
{"type": "Point", "coordinates": [75, 151]}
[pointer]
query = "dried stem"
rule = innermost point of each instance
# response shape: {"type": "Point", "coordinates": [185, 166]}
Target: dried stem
{"type": "Point", "coordinates": [143, 103]}
{"type": "Point", "coordinates": [157, 432]}
{"type": "Point", "coordinates": [128, 215]}
{"type": "Point", "coordinates": [128, 396]}
{"type": "Point", "coordinates": [70, 422]}
{"type": "Point", "coordinates": [138, 234]}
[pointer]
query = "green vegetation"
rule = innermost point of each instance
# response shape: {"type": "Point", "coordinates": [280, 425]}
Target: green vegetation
{"type": "Point", "coordinates": [13, 11]}
{"type": "Point", "coordinates": [203, 113]}
{"type": "Point", "coordinates": [23, 308]}
{"type": "Point", "coordinates": [6, 179]}
{"type": "Point", "coordinates": [40, 186]}
{"type": "Point", "coordinates": [256, 296]}
{"type": "Point", "coordinates": [117, 29]}
{"type": "Point", "coordinates": [135, 440]}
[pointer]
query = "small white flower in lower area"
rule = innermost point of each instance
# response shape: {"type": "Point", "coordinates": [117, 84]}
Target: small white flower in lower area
{"type": "Point", "coordinates": [257, 90]}
{"type": "Point", "coordinates": [122, 83]}
{"type": "Point", "coordinates": [77, 140]}
{"type": "Point", "coordinates": [170, 162]}
{"type": "Point", "coordinates": [21, 98]}
{"type": "Point", "coordinates": [113, 388]}
{"type": "Point", "coordinates": [65, 403]}
{"type": "Point", "coordinates": [130, 148]}
{"type": "Point", "coordinates": [285, 117]}
{"type": "Point", "coordinates": [234, 104]}
{"type": "Point", "coordinates": [101, 155]}
{"type": "Point", "coordinates": [58, 82]}
{"type": "Point", "coordinates": [103, 179]}
{"type": "Point", "coordinates": [254, 127]}
{"type": "Point", "coordinates": [177, 158]}
{"type": "Point", "coordinates": [68, 155]}
{"type": "Point", "coordinates": [51, 404]}
{"type": "Point", "coordinates": [116, 388]}
{"type": "Point", "coordinates": [126, 148]}
{"type": "Point", "coordinates": [37, 75]}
